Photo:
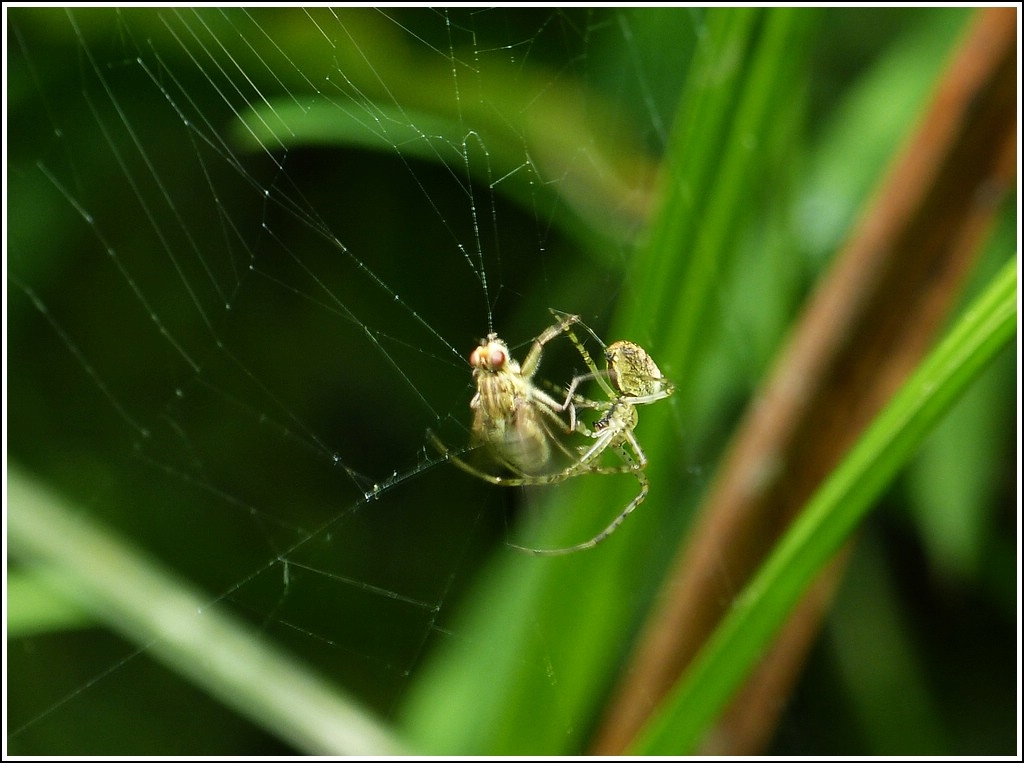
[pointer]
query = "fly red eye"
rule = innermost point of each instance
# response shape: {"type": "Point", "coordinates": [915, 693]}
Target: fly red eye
{"type": "Point", "coordinates": [490, 356]}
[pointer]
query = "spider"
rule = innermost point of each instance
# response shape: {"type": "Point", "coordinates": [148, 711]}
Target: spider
{"type": "Point", "coordinates": [512, 416]}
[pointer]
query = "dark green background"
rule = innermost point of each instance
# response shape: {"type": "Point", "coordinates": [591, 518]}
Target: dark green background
{"type": "Point", "coordinates": [217, 471]}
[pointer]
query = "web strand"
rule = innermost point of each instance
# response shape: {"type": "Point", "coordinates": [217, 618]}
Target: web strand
{"type": "Point", "coordinates": [277, 311]}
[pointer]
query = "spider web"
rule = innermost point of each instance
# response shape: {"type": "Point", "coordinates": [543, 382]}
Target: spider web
{"type": "Point", "coordinates": [250, 252]}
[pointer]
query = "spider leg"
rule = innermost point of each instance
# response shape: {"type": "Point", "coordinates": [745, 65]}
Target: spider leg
{"type": "Point", "coordinates": [644, 487]}
{"type": "Point", "coordinates": [668, 389]}
{"type": "Point", "coordinates": [633, 463]}
{"type": "Point", "coordinates": [551, 409]}
{"type": "Point", "coordinates": [574, 401]}
{"type": "Point", "coordinates": [532, 359]}
{"type": "Point", "coordinates": [532, 362]}
{"type": "Point", "coordinates": [639, 459]}
{"type": "Point", "coordinates": [469, 468]}
{"type": "Point", "coordinates": [514, 481]}
{"type": "Point", "coordinates": [582, 465]}
{"type": "Point", "coordinates": [593, 371]}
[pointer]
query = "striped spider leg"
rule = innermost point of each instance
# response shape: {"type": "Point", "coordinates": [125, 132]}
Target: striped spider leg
{"type": "Point", "coordinates": [633, 378]}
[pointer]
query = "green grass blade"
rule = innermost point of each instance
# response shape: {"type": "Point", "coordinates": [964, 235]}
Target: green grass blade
{"type": "Point", "coordinates": [832, 515]}
{"type": "Point", "coordinates": [729, 107]}
{"type": "Point", "coordinates": [575, 614]}
{"type": "Point", "coordinates": [698, 141]}
{"type": "Point", "coordinates": [175, 624]}
{"type": "Point", "coordinates": [34, 607]}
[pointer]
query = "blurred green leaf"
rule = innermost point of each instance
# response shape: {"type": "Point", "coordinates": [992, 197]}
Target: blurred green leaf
{"type": "Point", "coordinates": [35, 607]}
{"type": "Point", "coordinates": [167, 618]}
{"type": "Point", "coordinates": [865, 129]}
{"type": "Point", "coordinates": [953, 485]}
{"type": "Point", "coordinates": [829, 518]}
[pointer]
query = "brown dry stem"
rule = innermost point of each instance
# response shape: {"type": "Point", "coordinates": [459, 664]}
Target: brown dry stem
{"type": "Point", "coordinates": [867, 326]}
